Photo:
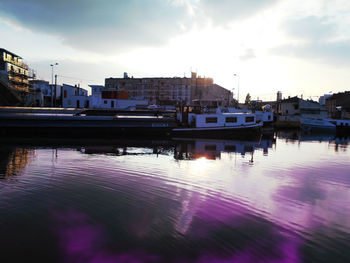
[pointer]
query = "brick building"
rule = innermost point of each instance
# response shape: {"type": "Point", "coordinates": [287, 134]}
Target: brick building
{"type": "Point", "coordinates": [170, 91]}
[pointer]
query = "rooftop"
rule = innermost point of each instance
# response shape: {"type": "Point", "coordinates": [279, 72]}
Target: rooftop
{"type": "Point", "coordinates": [9, 52]}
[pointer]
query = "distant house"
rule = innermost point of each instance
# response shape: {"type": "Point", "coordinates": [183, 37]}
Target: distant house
{"type": "Point", "coordinates": [103, 98]}
{"type": "Point", "coordinates": [338, 105]}
{"type": "Point", "coordinates": [292, 110]}
{"type": "Point", "coordinates": [74, 97]}
{"type": "Point", "coordinates": [43, 91]}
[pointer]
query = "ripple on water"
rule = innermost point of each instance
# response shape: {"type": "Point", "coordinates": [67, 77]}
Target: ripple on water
{"type": "Point", "coordinates": [147, 207]}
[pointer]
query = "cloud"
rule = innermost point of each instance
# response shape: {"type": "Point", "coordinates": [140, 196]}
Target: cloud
{"type": "Point", "coordinates": [100, 25]}
{"type": "Point", "coordinates": [316, 38]}
{"type": "Point", "coordinates": [310, 28]}
{"type": "Point", "coordinates": [224, 11]}
{"type": "Point", "coordinates": [249, 53]}
{"type": "Point", "coordinates": [331, 52]}
{"type": "Point", "coordinates": [117, 25]}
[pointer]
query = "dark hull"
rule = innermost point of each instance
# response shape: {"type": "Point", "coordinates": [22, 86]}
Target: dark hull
{"type": "Point", "coordinates": [227, 133]}
{"type": "Point", "coordinates": [343, 130]}
{"type": "Point", "coordinates": [80, 127]}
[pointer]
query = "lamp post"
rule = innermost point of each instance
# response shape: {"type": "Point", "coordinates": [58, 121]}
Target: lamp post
{"type": "Point", "coordinates": [236, 75]}
{"type": "Point", "coordinates": [52, 65]}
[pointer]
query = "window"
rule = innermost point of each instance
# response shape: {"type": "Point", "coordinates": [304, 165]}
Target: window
{"type": "Point", "coordinates": [249, 119]}
{"type": "Point", "coordinates": [211, 120]}
{"type": "Point", "coordinates": [105, 102]}
{"type": "Point", "coordinates": [112, 104]}
{"type": "Point", "coordinates": [296, 106]}
{"type": "Point", "coordinates": [231, 119]}
{"type": "Point", "coordinates": [65, 93]}
{"type": "Point", "coordinates": [210, 147]}
{"type": "Point", "coordinates": [269, 117]}
{"type": "Point", "coordinates": [230, 148]}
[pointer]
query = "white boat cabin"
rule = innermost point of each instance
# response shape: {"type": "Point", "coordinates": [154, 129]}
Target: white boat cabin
{"type": "Point", "coordinates": [221, 119]}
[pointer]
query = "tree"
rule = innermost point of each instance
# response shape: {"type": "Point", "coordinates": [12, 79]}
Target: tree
{"type": "Point", "coordinates": [247, 99]}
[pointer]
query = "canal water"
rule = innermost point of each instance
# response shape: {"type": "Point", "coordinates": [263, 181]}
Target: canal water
{"type": "Point", "coordinates": [281, 199]}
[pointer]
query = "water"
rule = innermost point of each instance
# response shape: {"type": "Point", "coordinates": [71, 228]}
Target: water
{"type": "Point", "coordinates": [275, 200]}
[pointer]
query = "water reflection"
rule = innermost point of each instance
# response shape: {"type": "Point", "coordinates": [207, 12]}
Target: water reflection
{"type": "Point", "coordinates": [212, 149]}
{"type": "Point", "coordinates": [176, 201]}
{"type": "Point", "coordinates": [14, 160]}
{"type": "Point", "coordinates": [338, 143]}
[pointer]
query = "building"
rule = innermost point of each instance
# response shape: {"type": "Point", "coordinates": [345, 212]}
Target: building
{"type": "Point", "coordinates": [170, 91]}
{"type": "Point", "coordinates": [46, 94]}
{"type": "Point", "coordinates": [338, 105]}
{"type": "Point", "coordinates": [322, 99]}
{"type": "Point", "coordinates": [14, 72]}
{"type": "Point", "coordinates": [292, 110]}
{"type": "Point", "coordinates": [103, 98]}
{"type": "Point", "coordinates": [74, 97]}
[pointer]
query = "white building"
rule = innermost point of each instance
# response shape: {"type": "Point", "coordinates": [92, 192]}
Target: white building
{"type": "Point", "coordinates": [43, 91]}
{"type": "Point", "coordinates": [322, 99]}
{"type": "Point", "coordinates": [109, 99]}
{"type": "Point", "coordinates": [74, 97]}
{"type": "Point", "coordinates": [101, 98]}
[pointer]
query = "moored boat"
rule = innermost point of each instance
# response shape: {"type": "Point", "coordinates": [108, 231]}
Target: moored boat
{"type": "Point", "coordinates": [317, 125]}
{"type": "Point", "coordinates": [219, 125]}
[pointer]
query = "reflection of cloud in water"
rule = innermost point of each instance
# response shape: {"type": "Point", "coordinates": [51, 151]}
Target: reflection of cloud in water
{"type": "Point", "coordinates": [228, 232]}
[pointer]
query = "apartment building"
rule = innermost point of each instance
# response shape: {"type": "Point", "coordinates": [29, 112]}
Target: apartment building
{"type": "Point", "coordinates": [13, 71]}
{"type": "Point", "coordinates": [170, 91]}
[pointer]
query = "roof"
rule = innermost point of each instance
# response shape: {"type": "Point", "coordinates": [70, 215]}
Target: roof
{"type": "Point", "coordinates": [292, 99]}
{"type": "Point", "coordinates": [339, 95]}
{"type": "Point", "coordinates": [9, 52]}
{"type": "Point", "coordinates": [97, 86]}
{"type": "Point", "coordinates": [296, 99]}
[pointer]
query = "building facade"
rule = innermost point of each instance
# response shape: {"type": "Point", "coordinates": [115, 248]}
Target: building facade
{"type": "Point", "coordinates": [13, 71]}
{"type": "Point", "coordinates": [46, 94]}
{"type": "Point", "coordinates": [170, 91]}
{"type": "Point", "coordinates": [338, 105]}
{"type": "Point", "coordinates": [292, 110]}
{"type": "Point", "coordinates": [74, 97]}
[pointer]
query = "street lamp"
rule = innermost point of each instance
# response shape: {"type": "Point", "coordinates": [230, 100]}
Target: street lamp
{"type": "Point", "coordinates": [52, 65]}
{"type": "Point", "coordinates": [236, 75]}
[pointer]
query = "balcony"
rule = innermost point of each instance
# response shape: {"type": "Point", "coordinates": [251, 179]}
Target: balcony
{"type": "Point", "coordinates": [17, 63]}
{"type": "Point", "coordinates": [16, 73]}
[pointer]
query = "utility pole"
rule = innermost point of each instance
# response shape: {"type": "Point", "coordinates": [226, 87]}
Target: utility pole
{"type": "Point", "coordinates": [55, 90]}
{"type": "Point", "coordinates": [52, 65]}
{"type": "Point", "coordinates": [236, 75]}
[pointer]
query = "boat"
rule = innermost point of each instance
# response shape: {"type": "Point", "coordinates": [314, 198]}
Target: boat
{"type": "Point", "coordinates": [218, 125]}
{"type": "Point", "coordinates": [317, 125]}
{"type": "Point", "coordinates": [51, 124]}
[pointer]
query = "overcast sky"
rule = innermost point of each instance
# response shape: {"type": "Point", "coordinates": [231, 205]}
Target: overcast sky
{"type": "Point", "coordinates": [295, 46]}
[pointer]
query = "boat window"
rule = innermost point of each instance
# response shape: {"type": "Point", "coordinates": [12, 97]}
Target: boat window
{"type": "Point", "coordinates": [211, 120]}
{"type": "Point", "coordinates": [249, 119]}
{"type": "Point", "coordinates": [230, 148]}
{"type": "Point", "coordinates": [231, 119]}
{"type": "Point", "coordinates": [210, 147]}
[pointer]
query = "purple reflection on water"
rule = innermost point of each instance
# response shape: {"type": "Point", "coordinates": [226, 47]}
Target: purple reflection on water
{"type": "Point", "coordinates": [82, 241]}
{"type": "Point", "coordinates": [249, 237]}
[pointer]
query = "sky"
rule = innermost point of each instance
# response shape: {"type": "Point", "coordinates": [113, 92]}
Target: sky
{"type": "Point", "coordinates": [297, 47]}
